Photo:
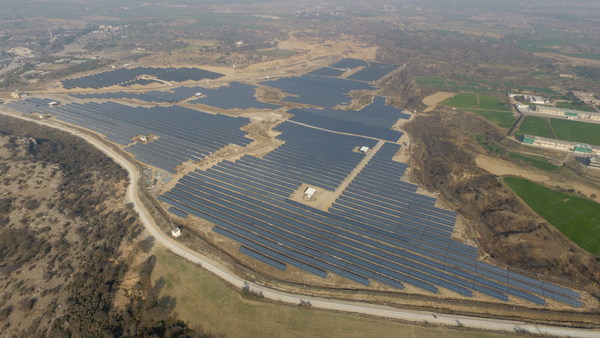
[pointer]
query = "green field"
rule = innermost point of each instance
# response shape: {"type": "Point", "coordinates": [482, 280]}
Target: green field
{"type": "Point", "coordinates": [575, 106]}
{"type": "Point", "coordinates": [504, 120]}
{"type": "Point", "coordinates": [462, 101]}
{"type": "Point", "coordinates": [490, 146]}
{"type": "Point", "coordinates": [487, 106]}
{"type": "Point", "coordinates": [465, 85]}
{"type": "Point", "coordinates": [576, 131]}
{"type": "Point", "coordinates": [536, 161]}
{"type": "Point", "coordinates": [488, 102]}
{"type": "Point", "coordinates": [431, 81]}
{"type": "Point", "coordinates": [203, 299]}
{"type": "Point", "coordinates": [534, 125]}
{"type": "Point", "coordinates": [576, 217]}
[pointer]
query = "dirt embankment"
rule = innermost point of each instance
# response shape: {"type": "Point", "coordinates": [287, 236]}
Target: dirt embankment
{"type": "Point", "coordinates": [444, 155]}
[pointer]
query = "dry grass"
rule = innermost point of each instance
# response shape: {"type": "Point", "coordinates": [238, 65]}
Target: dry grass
{"type": "Point", "coordinates": [203, 299]}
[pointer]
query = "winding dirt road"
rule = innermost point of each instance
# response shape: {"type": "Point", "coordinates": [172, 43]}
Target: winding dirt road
{"type": "Point", "coordinates": [177, 248]}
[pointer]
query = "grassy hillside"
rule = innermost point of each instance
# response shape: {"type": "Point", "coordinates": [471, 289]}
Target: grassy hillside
{"type": "Point", "coordinates": [576, 217]}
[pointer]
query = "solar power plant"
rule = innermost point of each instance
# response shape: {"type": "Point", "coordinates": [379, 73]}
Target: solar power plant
{"type": "Point", "coordinates": [374, 120]}
{"type": "Point", "coordinates": [236, 95]}
{"type": "Point", "coordinates": [373, 72]}
{"type": "Point", "coordinates": [159, 96]}
{"type": "Point", "coordinates": [349, 64]}
{"type": "Point", "coordinates": [327, 71]}
{"type": "Point", "coordinates": [125, 75]}
{"type": "Point", "coordinates": [142, 82]}
{"type": "Point", "coordinates": [318, 90]}
{"type": "Point", "coordinates": [184, 134]}
{"type": "Point", "coordinates": [188, 74]}
{"type": "Point", "coordinates": [379, 229]}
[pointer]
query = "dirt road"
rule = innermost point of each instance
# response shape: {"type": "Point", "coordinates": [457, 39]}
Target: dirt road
{"type": "Point", "coordinates": [177, 248]}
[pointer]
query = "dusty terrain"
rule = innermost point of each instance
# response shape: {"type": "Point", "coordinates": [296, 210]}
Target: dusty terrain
{"type": "Point", "coordinates": [501, 167]}
{"type": "Point", "coordinates": [432, 100]}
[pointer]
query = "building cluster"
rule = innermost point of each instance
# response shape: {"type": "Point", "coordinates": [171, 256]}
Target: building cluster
{"type": "Point", "coordinates": [559, 112]}
{"type": "Point", "coordinates": [586, 97]}
{"type": "Point", "coordinates": [554, 144]}
{"type": "Point", "coordinates": [594, 162]}
{"type": "Point", "coordinates": [530, 98]}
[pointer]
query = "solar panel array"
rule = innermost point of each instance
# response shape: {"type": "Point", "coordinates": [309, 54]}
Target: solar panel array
{"type": "Point", "coordinates": [374, 120]}
{"type": "Point", "coordinates": [320, 91]}
{"type": "Point", "coordinates": [373, 72]}
{"type": "Point", "coordinates": [379, 229]}
{"type": "Point", "coordinates": [236, 95]}
{"type": "Point", "coordinates": [159, 96]}
{"type": "Point", "coordinates": [124, 76]}
{"type": "Point", "coordinates": [184, 134]}
{"type": "Point", "coordinates": [349, 64]}
{"type": "Point", "coordinates": [327, 71]}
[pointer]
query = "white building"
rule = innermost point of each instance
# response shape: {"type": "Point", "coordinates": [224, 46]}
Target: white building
{"type": "Point", "coordinates": [176, 232]}
{"type": "Point", "coordinates": [309, 193]}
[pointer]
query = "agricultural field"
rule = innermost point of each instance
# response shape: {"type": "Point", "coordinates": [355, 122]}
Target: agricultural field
{"type": "Point", "coordinates": [462, 101]}
{"type": "Point", "coordinates": [576, 131]}
{"type": "Point", "coordinates": [487, 106]}
{"type": "Point", "coordinates": [576, 106]}
{"type": "Point", "coordinates": [203, 299]}
{"type": "Point", "coordinates": [576, 217]}
{"type": "Point", "coordinates": [488, 102]}
{"type": "Point", "coordinates": [536, 161]}
{"type": "Point", "coordinates": [464, 85]}
{"type": "Point", "coordinates": [534, 125]}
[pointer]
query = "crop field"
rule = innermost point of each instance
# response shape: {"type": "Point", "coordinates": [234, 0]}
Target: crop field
{"type": "Point", "coordinates": [536, 161]}
{"type": "Point", "coordinates": [581, 106]}
{"type": "Point", "coordinates": [534, 125]}
{"type": "Point", "coordinates": [203, 299]}
{"type": "Point", "coordinates": [441, 83]}
{"type": "Point", "coordinates": [544, 90]}
{"type": "Point", "coordinates": [576, 131]}
{"type": "Point", "coordinates": [487, 106]}
{"type": "Point", "coordinates": [488, 102]}
{"type": "Point", "coordinates": [504, 120]}
{"type": "Point", "coordinates": [462, 101]}
{"type": "Point", "coordinates": [576, 217]}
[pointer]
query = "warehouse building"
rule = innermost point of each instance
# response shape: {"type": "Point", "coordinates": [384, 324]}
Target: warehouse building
{"type": "Point", "coordinates": [549, 143]}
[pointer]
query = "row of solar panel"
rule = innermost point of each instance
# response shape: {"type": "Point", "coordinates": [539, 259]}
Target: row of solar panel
{"type": "Point", "coordinates": [320, 91]}
{"type": "Point", "coordinates": [214, 196]}
{"type": "Point", "coordinates": [185, 134]}
{"type": "Point", "coordinates": [120, 76]}
{"type": "Point", "coordinates": [538, 290]}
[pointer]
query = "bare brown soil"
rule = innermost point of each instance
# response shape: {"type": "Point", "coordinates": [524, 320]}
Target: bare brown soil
{"type": "Point", "coordinates": [432, 100]}
{"type": "Point", "coordinates": [501, 167]}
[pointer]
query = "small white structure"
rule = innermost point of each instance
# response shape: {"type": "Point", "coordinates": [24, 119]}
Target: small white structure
{"type": "Point", "coordinates": [53, 104]}
{"type": "Point", "coordinates": [309, 192]}
{"type": "Point", "coordinates": [176, 232]}
{"type": "Point", "coordinates": [143, 138]}
{"type": "Point", "coordinates": [594, 162]}
{"type": "Point", "coordinates": [198, 94]}
{"type": "Point", "coordinates": [364, 149]}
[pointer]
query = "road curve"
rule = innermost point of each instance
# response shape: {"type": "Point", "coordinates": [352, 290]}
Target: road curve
{"type": "Point", "coordinates": [179, 249]}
